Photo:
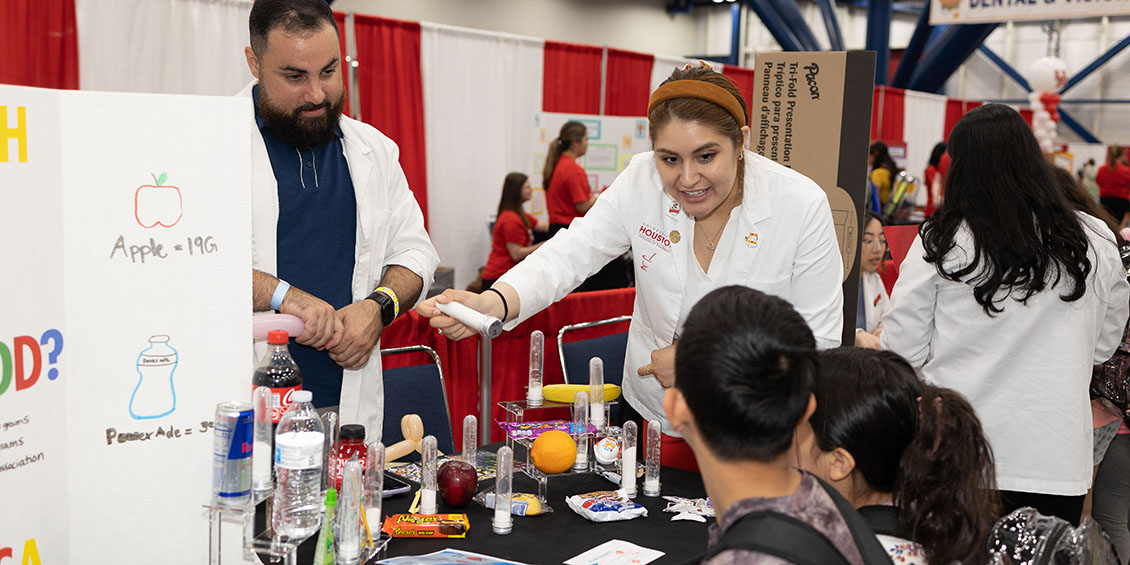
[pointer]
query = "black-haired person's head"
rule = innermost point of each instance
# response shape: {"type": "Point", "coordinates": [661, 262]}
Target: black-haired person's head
{"type": "Point", "coordinates": [295, 54]}
{"type": "Point", "coordinates": [880, 156]}
{"type": "Point", "coordinates": [879, 435]}
{"type": "Point", "coordinates": [515, 190]}
{"type": "Point", "coordinates": [936, 154]}
{"type": "Point", "coordinates": [743, 375]}
{"type": "Point", "coordinates": [1026, 236]}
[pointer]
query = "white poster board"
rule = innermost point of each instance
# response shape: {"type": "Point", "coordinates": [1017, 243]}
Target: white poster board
{"type": "Point", "coordinates": [125, 222]}
{"type": "Point", "coordinates": [613, 140]}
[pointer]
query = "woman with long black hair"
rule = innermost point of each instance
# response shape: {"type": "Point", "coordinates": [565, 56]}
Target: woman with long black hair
{"type": "Point", "coordinates": [1009, 296]}
{"type": "Point", "coordinates": [911, 457]}
{"type": "Point", "coordinates": [513, 236]}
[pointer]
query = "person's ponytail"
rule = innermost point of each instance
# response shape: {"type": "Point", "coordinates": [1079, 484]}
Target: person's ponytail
{"type": "Point", "coordinates": [946, 487]}
{"type": "Point", "coordinates": [570, 132]}
{"type": "Point", "coordinates": [550, 162]}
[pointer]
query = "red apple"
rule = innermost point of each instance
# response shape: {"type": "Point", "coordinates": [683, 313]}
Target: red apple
{"type": "Point", "coordinates": [457, 482]}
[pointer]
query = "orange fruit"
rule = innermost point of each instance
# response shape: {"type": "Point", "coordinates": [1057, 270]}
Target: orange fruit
{"type": "Point", "coordinates": [553, 452]}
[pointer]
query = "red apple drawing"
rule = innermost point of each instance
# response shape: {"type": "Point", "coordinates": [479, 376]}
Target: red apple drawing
{"type": "Point", "coordinates": [457, 481]}
{"type": "Point", "coordinates": [157, 204]}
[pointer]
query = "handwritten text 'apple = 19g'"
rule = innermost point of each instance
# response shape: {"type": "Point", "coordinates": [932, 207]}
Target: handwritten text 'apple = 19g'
{"type": "Point", "coordinates": [140, 253]}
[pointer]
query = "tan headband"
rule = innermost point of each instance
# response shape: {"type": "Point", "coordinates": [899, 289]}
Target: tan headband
{"type": "Point", "coordinates": [701, 90]}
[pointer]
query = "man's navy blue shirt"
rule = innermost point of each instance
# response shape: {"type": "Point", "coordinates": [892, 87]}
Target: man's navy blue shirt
{"type": "Point", "coordinates": [317, 233]}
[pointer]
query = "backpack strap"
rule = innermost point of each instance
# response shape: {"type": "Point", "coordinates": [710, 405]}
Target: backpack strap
{"type": "Point", "coordinates": [884, 519]}
{"type": "Point", "coordinates": [779, 535]}
{"type": "Point", "coordinates": [869, 547]}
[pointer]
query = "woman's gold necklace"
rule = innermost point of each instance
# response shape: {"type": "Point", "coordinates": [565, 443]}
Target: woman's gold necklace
{"type": "Point", "coordinates": [710, 240]}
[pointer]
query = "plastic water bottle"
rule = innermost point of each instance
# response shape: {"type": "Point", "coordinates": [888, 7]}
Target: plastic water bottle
{"type": "Point", "coordinates": [299, 443]}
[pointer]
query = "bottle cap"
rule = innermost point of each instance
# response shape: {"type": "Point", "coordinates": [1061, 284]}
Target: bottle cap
{"type": "Point", "coordinates": [301, 396]}
{"type": "Point", "coordinates": [331, 497]}
{"type": "Point", "coordinates": [353, 431]}
{"type": "Point", "coordinates": [277, 337]}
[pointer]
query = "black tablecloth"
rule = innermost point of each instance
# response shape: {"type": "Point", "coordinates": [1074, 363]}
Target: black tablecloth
{"type": "Point", "coordinates": [561, 534]}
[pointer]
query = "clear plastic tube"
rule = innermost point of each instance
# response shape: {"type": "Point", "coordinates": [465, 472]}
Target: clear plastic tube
{"type": "Point", "coordinates": [651, 470]}
{"type": "Point", "coordinates": [502, 522]}
{"type": "Point", "coordinates": [348, 538]}
{"type": "Point", "coordinates": [471, 440]}
{"type": "Point", "coordinates": [374, 487]}
{"type": "Point", "coordinates": [330, 424]}
{"type": "Point", "coordinates": [580, 426]}
{"type": "Point", "coordinates": [428, 476]}
{"type": "Point", "coordinates": [596, 392]}
{"type": "Point", "coordinates": [262, 454]}
{"type": "Point", "coordinates": [537, 351]}
{"type": "Point", "coordinates": [628, 459]}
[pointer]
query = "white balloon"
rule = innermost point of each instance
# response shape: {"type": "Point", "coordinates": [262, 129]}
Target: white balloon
{"type": "Point", "coordinates": [1034, 100]}
{"type": "Point", "coordinates": [1047, 74]}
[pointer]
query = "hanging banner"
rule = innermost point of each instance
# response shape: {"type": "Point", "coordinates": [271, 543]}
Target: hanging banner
{"type": "Point", "coordinates": [126, 300]}
{"type": "Point", "coordinates": [944, 12]}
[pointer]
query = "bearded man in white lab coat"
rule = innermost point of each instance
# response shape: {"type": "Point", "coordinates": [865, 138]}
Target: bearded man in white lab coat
{"type": "Point", "coordinates": [338, 238]}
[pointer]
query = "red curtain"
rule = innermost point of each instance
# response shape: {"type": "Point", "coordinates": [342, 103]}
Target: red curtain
{"type": "Point", "coordinates": [509, 353]}
{"type": "Point", "coordinates": [627, 83]}
{"type": "Point", "coordinates": [392, 94]}
{"type": "Point", "coordinates": [955, 109]}
{"type": "Point", "coordinates": [743, 80]}
{"type": "Point", "coordinates": [38, 43]}
{"type": "Point", "coordinates": [887, 114]}
{"type": "Point", "coordinates": [571, 82]}
{"type": "Point", "coordinates": [345, 67]}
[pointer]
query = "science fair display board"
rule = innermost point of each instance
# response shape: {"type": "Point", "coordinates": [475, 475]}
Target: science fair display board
{"type": "Point", "coordinates": [613, 140]}
{"type": "Point", "coordinates": [126, 318]}
{"type": "Point", "coordinates": [812, 113]}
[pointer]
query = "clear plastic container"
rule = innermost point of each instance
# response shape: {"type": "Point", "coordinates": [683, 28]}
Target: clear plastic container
{"type": "Point", "coordinates": [299, 443]}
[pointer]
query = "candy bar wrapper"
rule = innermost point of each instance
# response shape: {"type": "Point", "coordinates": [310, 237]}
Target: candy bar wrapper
{"type": "Point", "coordinates": [531, 430]}
{"type": "Point", "coordinates": [426, 525]}
{"type": "Point", "coordinates": [605, 506]}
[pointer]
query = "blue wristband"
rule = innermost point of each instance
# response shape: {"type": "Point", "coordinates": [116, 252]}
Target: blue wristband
{"type": "Point", "coordinates": [280, 292]}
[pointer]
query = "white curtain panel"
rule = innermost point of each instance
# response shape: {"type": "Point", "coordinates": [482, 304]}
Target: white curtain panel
{"type": "Point", "coordinates": [924, 118]}
{"type": "Point", "coordinates": [166, 46]}
{"type": "Point", "coordinates": [482, 94]}
{"type": "Point", "coordinates": [665, 64]}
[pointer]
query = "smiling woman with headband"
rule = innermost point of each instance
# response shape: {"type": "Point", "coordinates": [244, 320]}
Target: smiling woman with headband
{"type": "Point", "coordinates": [697, 213]}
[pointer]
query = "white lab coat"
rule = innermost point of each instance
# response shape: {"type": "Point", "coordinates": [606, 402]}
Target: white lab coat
{"type": "Point", "coordinates": [785, 245]}
{"type": "Point", "coordinates": [1027, 370]}
{"type": "Point", "coordinates": [390, 231]}
{"type": "Point", "coordinates": [876, 303]}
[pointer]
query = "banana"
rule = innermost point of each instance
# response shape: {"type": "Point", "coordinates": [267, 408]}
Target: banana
{"type": "Point", "coordinates": [566, 393]}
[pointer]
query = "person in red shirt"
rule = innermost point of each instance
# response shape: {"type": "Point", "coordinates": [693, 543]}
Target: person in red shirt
{"type": "Point", "coordinates": [1114, 183]}
{"type": "Point", "coordinates": [935, 179]}
{"type": "Point", "coordinates": [513, 229]}
{"type": "Point", "coordinates": [567, 190]}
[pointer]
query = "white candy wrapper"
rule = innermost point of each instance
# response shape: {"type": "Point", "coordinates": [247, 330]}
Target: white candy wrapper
{"type": "Point", "coordinates": [605, 506]}
{"type": "Point", "coordinates": [691, 506]}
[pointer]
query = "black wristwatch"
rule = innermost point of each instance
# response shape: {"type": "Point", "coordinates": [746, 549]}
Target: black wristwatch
{"type": "Point", "coordinates": [387, 303]}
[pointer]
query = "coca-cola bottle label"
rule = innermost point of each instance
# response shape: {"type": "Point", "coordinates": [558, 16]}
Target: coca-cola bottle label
{"type": "Point", "coordinates": [280, 400]}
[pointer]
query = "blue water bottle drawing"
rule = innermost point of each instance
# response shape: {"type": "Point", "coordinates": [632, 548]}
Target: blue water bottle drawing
{"type": "Point", "coordinates": [154, 396]}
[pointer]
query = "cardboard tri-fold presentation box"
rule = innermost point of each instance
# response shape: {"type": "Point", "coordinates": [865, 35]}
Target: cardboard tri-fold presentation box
{"type": "Point", "coordinates": [812, 112]}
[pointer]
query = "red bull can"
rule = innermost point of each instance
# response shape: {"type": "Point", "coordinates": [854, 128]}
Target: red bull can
{"type": "Point", "coordinates": [231, 453]}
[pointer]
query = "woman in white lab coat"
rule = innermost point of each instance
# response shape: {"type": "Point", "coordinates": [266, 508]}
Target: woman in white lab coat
{"type": "Point", "coordinates": [697, 213]}
{"type": "Point", "coordinates": [1009, 296]}
{"type": "Point", "coordinates": [873, 300]}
